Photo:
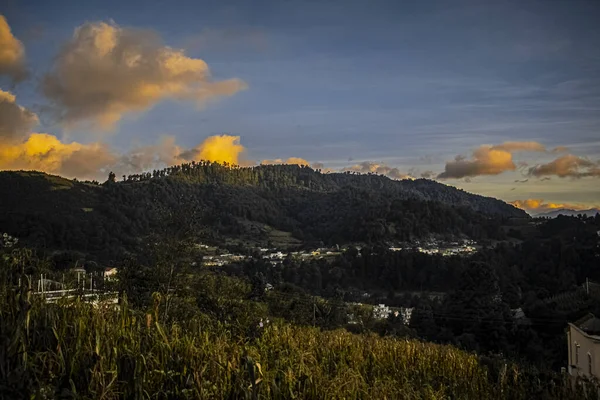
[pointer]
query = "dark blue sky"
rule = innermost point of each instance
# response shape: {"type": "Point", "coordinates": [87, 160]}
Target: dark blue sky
{"type": "Point", "coordinates": [407, 84]}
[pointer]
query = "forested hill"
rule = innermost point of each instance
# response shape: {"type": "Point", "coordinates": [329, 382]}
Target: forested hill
{"type": "Point", "coordinates": [284, 203]}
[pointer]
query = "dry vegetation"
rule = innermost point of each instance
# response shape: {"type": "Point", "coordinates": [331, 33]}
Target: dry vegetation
{"type": "Point", "coordinates": [74, 350]}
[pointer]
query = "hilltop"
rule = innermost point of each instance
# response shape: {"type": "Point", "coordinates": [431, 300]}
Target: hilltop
{"type": "Point", "coordinates": [283, 204]}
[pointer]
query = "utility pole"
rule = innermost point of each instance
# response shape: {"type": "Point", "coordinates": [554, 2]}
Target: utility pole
{"type": "Point", "coordinates": [587, 286]}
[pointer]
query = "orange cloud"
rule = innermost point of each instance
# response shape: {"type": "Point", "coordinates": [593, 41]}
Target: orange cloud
{"type": "Point", "coordinates": [567, 166]}
{"type": "Point", "coordinates": [540, 206]}
{"type": "Point", "coordinates": [106, 71]}
{"type": "Point", "coordinates": [43, 152]}
{"type": "Point", "coordinates": [12, 53]}
{"type": "Point", "coordinates": [488, 160]}
{"type": "Point", "coordinates": [218, 148]}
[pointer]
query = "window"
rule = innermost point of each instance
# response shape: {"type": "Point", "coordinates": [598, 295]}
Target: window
{"type": "Point", "coordinates": [576, 354]}
{"type": "Point", "coordinates": [590, 364]}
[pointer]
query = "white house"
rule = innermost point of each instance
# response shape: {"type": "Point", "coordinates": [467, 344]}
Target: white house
{"type": "Point", "coordinates": [110, 273]}
{"type": "Point", "coordinates": [584, 347]}
{"type": "Point", "coordinates": [381, 311]}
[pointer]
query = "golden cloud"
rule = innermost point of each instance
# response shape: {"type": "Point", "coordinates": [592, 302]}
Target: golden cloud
{"type": "Point", "coordinates": [12, 53]}
{"type": "Point", "coordinates": [106, 71]}
{"type": "Point", "coordinates": [488, 160]}
{"type": "Point", "coordinates": [567, 166]}
{"type": "Point", "coordinates": [539, 205]}
{"type": "Point", "coordinates": [218, 148]}
{"type": "Point", "coordinates": [16, 122]}
{"type": "Point", "coordinates": [44, 152]}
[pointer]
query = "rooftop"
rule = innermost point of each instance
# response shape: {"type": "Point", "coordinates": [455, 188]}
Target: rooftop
{"type": "Point", "coordinates": [590, 324]}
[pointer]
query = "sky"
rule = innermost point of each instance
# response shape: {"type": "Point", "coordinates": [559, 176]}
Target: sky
{"type": "Point", "coordinates": [500, 98]}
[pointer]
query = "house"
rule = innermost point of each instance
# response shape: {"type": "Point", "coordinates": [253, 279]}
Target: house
{"type": "Point", "coordinates": [584, 347]}
{"type": "Point", "coordinates": [381, 311]}
{"type": "Point", "coordinates": [110, 273]}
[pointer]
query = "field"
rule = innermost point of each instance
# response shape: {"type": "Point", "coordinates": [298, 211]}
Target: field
{"type": "Point", "coordinates": [73, 350]}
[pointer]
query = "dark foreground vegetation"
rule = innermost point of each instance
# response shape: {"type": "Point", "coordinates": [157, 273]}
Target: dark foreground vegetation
{"type": "Point", "coordinates": [73, 350]}
{"type": "Point", "coordinates": [180, 332]}
{"type": "Point", "coordinates": [76, 351]}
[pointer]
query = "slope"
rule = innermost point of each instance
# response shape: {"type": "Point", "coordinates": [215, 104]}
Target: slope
{"type": "Point", "coordinates": [213, 202]}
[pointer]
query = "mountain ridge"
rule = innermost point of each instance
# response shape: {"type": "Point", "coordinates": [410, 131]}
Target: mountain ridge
{"type": "Point", "coordinates": [567, 212]}
{"type": "Point", "coordinates": [223, 203]}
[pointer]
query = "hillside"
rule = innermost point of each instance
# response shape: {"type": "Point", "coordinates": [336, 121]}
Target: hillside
{"type": "Point", "coordinates": [246, 206]}
{"type": "Point", "coordinates": [568, 212]}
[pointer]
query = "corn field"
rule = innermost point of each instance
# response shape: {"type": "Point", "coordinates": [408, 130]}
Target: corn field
{"type": "Point", "coordinates": [76, 351]}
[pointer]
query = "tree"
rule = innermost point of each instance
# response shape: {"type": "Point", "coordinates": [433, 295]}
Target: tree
{"type": "Point", "coordinates": [476, 308]}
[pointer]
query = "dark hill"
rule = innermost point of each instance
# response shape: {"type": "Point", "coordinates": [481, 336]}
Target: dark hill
{"type": "Point", "coordinates": [284, 204]}
{"type": "Point", "coordinates": [568, 212]}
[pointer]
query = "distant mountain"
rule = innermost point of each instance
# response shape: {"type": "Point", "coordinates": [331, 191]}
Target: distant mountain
{"type": "Point", "coordinates": [568, 212]}
{"type": "Point", "coordinates": [282, 205]}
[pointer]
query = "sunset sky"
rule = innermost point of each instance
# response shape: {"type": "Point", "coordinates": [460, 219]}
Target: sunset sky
{"type": "Point", "coordinates": [500, 98]}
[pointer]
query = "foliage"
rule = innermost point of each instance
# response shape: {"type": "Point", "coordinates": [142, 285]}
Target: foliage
{"type": "Point", "coordinates": [76, 351]}
{"type": "Point", "coordinates": [108, 221]}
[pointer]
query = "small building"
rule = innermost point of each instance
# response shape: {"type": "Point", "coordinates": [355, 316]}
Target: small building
{"type": "Point", "coordinates": [584, 347]}
{"type": "Point", "coordinates": [110, 273]}
{"type": "Point", "coordinates": [381, 311]}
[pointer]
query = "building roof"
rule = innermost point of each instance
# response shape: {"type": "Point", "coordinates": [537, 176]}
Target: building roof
{"type": "Point", "coordinates": [590, 324]}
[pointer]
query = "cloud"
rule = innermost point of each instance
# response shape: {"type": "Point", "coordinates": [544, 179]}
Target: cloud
{"type": "Point", "coordinates": [218, 148]}
{"type": "Point", "coordinates": [16, 122]}
{"type": "Point", "coordinates": [539, 206]}
{"type": "Point", "coordinates": [428, 175]}
{"type": "Point", "coordinates": [47, 153]}
{"type": "Point", "coordinates": [560, 149]}
{"type": "Point", "coordinates": [567, 166]}
{"type": "Point", "coordinates": [44, 152]}
{"type": "Point", "coordinates": [144, 158]}
{"type": "Point", "coordinates": [488, 160]}
{"type": "Point", "coordinates": [21, 149]}
{"type": "Point", "coordinates": [12, 53]}
{"type": "Point", "coordinates": [520, 146]}
{"type": "Point", "coordinates": [366, 167]}
{"type": "Point", "coordinates": [106, 71]}
{"type": "Point", "coordinates": [291, 161]}
{"type": "Point", "coordinates": [521, 180]}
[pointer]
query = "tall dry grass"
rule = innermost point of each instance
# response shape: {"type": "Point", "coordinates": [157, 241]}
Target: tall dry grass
{"type": "Point", "coordinates": [73, 350]}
